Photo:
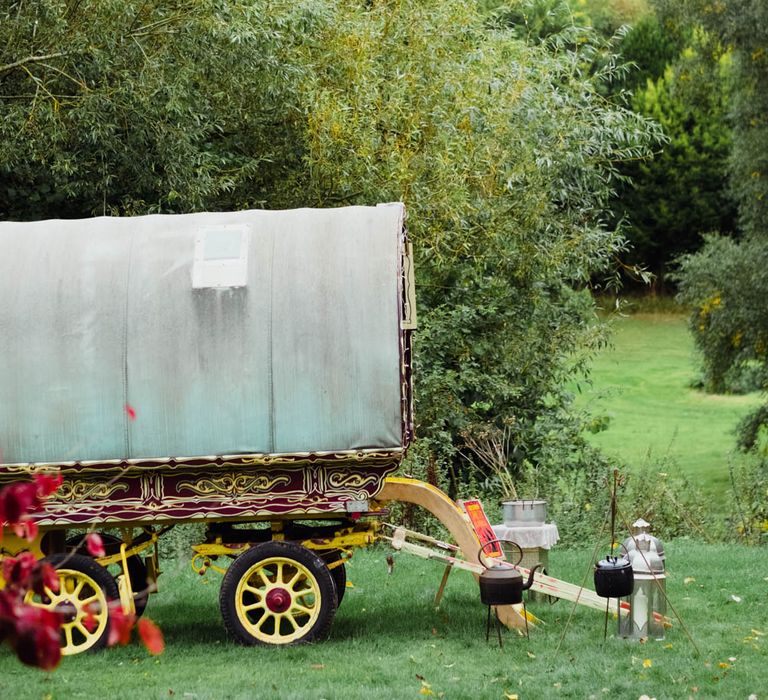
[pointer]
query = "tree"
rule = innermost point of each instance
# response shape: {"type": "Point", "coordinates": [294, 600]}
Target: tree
{"type": "Point", "coordinates": [534, 21]}
{"type": "Point", "coordinates": [505, 155]}
{"type": "Point", "coordinates": [741, 26]}
{"type": "Point", "coordinates": [111, 107]}
{"type": "Point", "coordinates": [733, 332]}
{"type": "Point", "coordinates": [671, 200]}
{"type": "Point", "coordinates": [724, 284]}
{"type": "Point", "coordinates": [608, 15]}
{"type": "Point", "coordinates": [651, 48]}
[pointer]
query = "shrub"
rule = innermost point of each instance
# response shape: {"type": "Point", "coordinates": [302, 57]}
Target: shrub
{"type": "Point", "coordinates": [748, 519]}
{"type": "Point", "coordinates": [724, 284]}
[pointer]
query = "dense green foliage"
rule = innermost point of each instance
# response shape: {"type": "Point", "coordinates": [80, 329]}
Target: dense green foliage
{"type": "Point", "coordinates": [607, 16]}
{"type": "Point", "coordinates": [743, 26]}
{"type": "Point", "coordinates": [651, 48]}
{"type": "Point", "coordinates": [673, 73]}
{"type": "Point", "coordinates": [725, 286]}
{"type": "Point", "coordinates": [680, 81]}
{"type": "Point", "coordinates": [505, 155]}
{"type": "Point", "coordinates": [683, 192]}
{"type": "Point", "coordinates": [740, 26]}
{"type": "Point", "coordinates": [114, 108]}
{"type": "Point", "coordinates": [726, 281]}
{"type": "Point", "coordinates": [534, 20]}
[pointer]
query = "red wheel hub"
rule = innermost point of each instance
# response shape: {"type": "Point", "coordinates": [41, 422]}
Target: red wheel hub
{"type": "Point", "coordinates": [278, 600]}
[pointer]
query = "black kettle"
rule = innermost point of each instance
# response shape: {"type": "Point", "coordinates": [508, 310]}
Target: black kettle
{"type": "Point", "coordinates": [614, 577]}
{"type": "Point", "coordinates": [503, 584]}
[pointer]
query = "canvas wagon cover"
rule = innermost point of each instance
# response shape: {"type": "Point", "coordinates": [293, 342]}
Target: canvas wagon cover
{"type": "Point", "coordinates": [201, 334]}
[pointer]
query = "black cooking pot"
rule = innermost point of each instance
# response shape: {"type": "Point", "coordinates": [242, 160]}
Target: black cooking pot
{"type": "Point", "coordinates": [614, 577]}
{"type": "Point", "coordinates": [503, 584]}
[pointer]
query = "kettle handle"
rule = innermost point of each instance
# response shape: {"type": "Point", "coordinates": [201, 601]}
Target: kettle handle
{"type": "Point", "coordinates": [481, 552]}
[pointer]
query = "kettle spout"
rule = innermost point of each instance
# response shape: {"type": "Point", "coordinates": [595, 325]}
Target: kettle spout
{"type": "Point", "coordinates": [529, 582]}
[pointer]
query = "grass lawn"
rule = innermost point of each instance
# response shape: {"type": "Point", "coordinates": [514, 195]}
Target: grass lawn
{"type": "Point", "coordinates": [389, 642]}
{"type": "Point", "coordinates": [643, 384]}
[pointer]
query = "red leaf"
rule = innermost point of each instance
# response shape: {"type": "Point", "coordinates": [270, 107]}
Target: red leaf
{"type": "Point", "coordinates": [37, 640]}
{"type": "Point", "coordinates": [50, 577]}
{"type": "Point", "coordinates": [120, 625]}
{"type": "Point", "coordinates": [151, 636]}
{"type": "Point", "coordinates": [48, 647]}
{"type": "Point", "coordinates": [94, 544]}
{"type": "Point", "coordinates": [26, 530]}
{"type": "Point", "coordinates": [131, 411]}
{"type": "Point", "coordinates": [18, 571]}
{"type": "Point", "coordinates": [17, 500]}
{"type": "Point", "coordinates": [45, 577]}
{"type": "Point", "coordinates": [89, 621]}
{"type": "Point", "coordinates": [47, 484]}
{"type": "Point", "coordinates": [8, 600]}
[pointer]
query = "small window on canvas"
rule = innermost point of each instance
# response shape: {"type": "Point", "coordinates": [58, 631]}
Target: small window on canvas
{"type": "Point", "coordinates": [221, 257]}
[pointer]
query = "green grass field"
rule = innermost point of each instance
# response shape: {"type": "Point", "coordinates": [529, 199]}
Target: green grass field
{"type": "Point", "coordinates": [389, 642]}
{"type": "Point", "coordinates": [643, 384]}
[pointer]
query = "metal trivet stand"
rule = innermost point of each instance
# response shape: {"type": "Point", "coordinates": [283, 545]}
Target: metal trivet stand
{"type": "Point", "coordinates": [502, 584]}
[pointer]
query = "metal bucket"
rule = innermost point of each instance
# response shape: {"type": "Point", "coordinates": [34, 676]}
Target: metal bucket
{"type": "Point", "coordinates": [524, 512]}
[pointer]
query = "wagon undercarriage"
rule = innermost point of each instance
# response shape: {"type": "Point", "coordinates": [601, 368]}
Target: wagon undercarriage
{"type": "Point", "coordinates": [282, 579]}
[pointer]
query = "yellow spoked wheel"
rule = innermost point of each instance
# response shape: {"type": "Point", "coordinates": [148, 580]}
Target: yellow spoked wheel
{"type": "Point", "coordinates": [277, 593]}
{"type": "Point", "coordinates": [85, 589]}
{"type": "Point", "coordinates": [137, 570]}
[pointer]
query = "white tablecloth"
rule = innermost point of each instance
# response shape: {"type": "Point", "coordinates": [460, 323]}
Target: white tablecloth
{"type": "Point", "coordinates": [529, 536]}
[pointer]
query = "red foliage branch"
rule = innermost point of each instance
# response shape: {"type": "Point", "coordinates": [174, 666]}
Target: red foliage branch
{"type": "Point", "coordinates": [34, 632]}
{"type": "Point", "coordinates": [31, 631]}
{"type": "Point", "coordinates": [19, 501]}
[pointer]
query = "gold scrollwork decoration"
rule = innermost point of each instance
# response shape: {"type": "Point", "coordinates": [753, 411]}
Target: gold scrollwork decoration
{"type": "Point", "coordinates": [78, 490]}
{"type": "Point", "coordinates": [343, 479]}
{"type": "Point", "coordinates": [233, 484]}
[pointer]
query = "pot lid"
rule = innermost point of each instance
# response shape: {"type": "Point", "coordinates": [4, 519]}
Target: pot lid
{"type": "Point", "coordinates": [612, 563]}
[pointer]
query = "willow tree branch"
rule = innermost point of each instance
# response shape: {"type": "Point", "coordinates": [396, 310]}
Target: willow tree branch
{"type": "Point", "coordinates": [30, 59]}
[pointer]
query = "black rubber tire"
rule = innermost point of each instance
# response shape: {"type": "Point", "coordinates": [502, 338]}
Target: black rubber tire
{"type": "Point", "coordinates": [338, 573]}
{"type": "Point", "coordinates": [99, 575]}
{"type": "Point", "coordinates": [137, 569]}
{"type": "Point", "coordinates": [302, 564]}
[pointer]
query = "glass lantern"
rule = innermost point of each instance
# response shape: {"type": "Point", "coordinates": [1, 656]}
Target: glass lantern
{"type": "Point", "coordinates": [647, 604]}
